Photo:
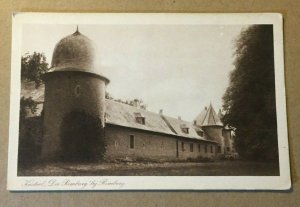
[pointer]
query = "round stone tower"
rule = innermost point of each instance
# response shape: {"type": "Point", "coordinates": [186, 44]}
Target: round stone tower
{"type": "Point", "coordinates": [212, 126]}
{"type": "Point", "coordinates": [74, 90]}
{"type": "Point", "coordinates": [228, 140]}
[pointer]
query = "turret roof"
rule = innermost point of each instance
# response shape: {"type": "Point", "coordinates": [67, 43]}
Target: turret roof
{"type": "Point", "coordinates": [208, 117]}
{"type": "Point", "coordinates": [75, 52]}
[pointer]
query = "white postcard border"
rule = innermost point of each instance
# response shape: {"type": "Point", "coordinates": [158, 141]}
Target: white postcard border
{"type": "Point", "coordinates": [48, 183]}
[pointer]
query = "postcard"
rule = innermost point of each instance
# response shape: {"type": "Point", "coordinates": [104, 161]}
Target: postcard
{"type": "Point", "coordinates": [147, 101]}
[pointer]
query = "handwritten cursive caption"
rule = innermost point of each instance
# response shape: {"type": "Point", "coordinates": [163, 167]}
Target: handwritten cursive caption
{"type": "Point", "coordinates": [76, 184]}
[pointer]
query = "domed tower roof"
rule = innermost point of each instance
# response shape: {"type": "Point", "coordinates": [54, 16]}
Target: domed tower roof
{"type": "Point", "coordinates": [75, 53]}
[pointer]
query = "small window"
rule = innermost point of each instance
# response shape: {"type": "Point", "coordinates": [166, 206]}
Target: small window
{"type": "Point", "coordinates": [199, 147]}
{"type": "Point", "coordinates": [223, 133]}
{"type": "Point", "coordinates": [139, 118]}
{"type": "Point", "coordinates": [185, 130]}
{"type": "Point", "coordinates": [182, 146]}
{"type": "Point", "coordinates": [219, 149]}
{"type": "Point", "coordinates": [191, 147]}
{"type": "Point", "coordinates": [77, 90]}
{"type": "Point", "coordinates": [206, 148]}
{"type": "Point", "coordinates": [228, 149]}
{"type": "Point", "coordinates": [131, 142]}
{"type": "Point", "coordinates": [116, 144]}
{"type": "Point", "coordinates": [211, 149]}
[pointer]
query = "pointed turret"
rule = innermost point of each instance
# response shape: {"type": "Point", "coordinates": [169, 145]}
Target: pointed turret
{"type": "Point", "coordinates": [211, 124]}
{"type": "Point", "coordinates": [200, 118]}
{"type": "Point", "coordinates": [77, 31]}
{"type": "Point", "coordinates": [208, 117]}
{"type": "Point", "coordinates": [211, 118]}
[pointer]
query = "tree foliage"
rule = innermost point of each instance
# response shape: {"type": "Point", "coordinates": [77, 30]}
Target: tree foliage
{"type": "Point", "coordinates": [30, 138]}
{"type": "Point", "coordinates": [30, 132]}
{"type": "Point", "coordinates": [139, 103]}
{"type": "Point", "coordinates": [27, 104]}
{"type": "Point", "coordinates": [33, 67]}
{"type": "Point", "coordinates": [249, 101]}
{"type": "Point", "coordinates": [82, 137]}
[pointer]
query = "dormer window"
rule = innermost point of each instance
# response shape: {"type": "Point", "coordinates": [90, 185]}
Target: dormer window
{"type": "Point", "coordinates": [184, 129]}
{"type": "Point", "coordinates": [139, 118]}
{"type": "Point", "coordinates": [200, 133]}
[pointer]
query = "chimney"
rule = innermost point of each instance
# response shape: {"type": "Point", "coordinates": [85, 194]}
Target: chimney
{"type": "Point", "coordinates": [136, 103]}
{"type": "Point", "coordinates": [161, 112]}
{"type": "Point", "coordinates": [179, 117]}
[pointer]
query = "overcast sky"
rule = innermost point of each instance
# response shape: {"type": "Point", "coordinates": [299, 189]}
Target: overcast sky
{"type": "Point", "coordinates": [179, 69]}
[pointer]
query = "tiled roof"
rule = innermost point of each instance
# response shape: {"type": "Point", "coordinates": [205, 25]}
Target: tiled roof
{"type": "Point", "coordinates": [178, 124]}
{"type": "Point", "coordinates": [208, 117]}
{"type": "Point", "coordinates": [200, 118]}
{"type": "Point", "coordinates": [124, 115]}
{"type": "Point", "coordinates": [74, 52]}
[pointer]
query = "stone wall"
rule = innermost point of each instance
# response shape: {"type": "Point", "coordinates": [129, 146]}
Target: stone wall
{"type": "Point", "coordinates": [152, 146]}
{"type": "Point", "coordinates": [215, 133]}
{"type": "Point", "coordinates": [64, 93]}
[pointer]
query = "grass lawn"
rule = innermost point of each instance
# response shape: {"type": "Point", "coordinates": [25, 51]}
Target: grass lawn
{"type": "Point", "coordinates": [218, 168]}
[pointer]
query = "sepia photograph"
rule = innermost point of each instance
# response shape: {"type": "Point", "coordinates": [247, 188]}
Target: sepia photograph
{"type": "Point", "coordinates": [147, 101]}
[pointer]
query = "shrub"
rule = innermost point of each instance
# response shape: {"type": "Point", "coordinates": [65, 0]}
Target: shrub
{"type": "Point", "coordinates": [82, 137]}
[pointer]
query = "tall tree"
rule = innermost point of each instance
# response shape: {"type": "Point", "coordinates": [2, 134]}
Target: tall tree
{"type": "Point", "coordinates": [27, 104]}
{"type": "Point", "coordinates": [33, 66]}
{"type": "Point", "coordinates": [249, 101]}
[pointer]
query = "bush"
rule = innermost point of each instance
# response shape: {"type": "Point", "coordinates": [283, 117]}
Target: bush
{"type": "Point", "coordinates": [30, 136]}
{"type": "Point", "coordinates": [82, 137]}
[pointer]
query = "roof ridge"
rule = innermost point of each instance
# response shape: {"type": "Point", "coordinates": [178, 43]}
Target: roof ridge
{"type": "Point", "coordinates": [178, 119]}
{"type": "Point", "coordinates": [213, 117]}
{"type": "Point", "coordinates": [205, 116]}
{"type": "Point", "coordinates": [127, 105]}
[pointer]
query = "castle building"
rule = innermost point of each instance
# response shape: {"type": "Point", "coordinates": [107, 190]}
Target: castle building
{"type": "Point", "coordinates": [79, 120]}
